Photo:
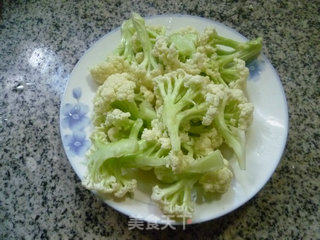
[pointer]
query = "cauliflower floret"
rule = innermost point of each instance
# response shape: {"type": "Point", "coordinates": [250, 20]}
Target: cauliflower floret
{"type": "Point", "coordinates": [215, 92]}
{"type": "Point", "coordinates": [105, 185]}
{"type": "Point", "coordinates": [207, 142]}
{"type": "Point", "coordinates": [208, 50]}
{"type": "Point", "coordinates": [115, 64]}
{"type": "Point", "coordinates": [116, 125]}
{"type": "Point", "coordinates": [157, 133]}
{"type": "Point", "coordinates": [238, 111]}
{"type": "Point", "coordinates": [139, 57]}
{"type": "Point", "coordinates": [148, 95]}
{"type": "Point", "coordinates": [126, 186]}
{"type": "Point", "coordinates": [117, 118]}
{"type": "Point", "coordinates": [196, 64]}
{"type": "Point", "coordinates": [240, 107]}
{"type": "Point", "coordinates": [246, 115]}
{"type": "Point", "coordinates": [190, 80]}
{"type": "Point", "coordinates": [111, 184]}
{"type": "Point", "coordinates": [206, 36]}
{"type": "Point", "coordinates": [169, 56]}
{"type": "Point", "coordinates": [231, 116]}
{"type": "Point", "coordinates": [217, 181]}
{"type": "Point", "coordinates": [99, 134]}
{"type": "Point", "coordinates": [242, 73]}
{"type": "Point", "coordinates": [175, 200]}
{"type": "Point", "coordinates": [118, 86]}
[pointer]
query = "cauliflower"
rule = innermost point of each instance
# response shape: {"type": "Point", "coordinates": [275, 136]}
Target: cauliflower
{"type": "Point", "coordinates": [217, 181]}
{"type": "Point", "coordinates": [104, 175]}
{"type": "Point", "coordinates": [115, 64]}
{"type": "Point", "coordinates": [207, 142]}
{"type": "Point", "coordinates": [237, 74]}
{"type": "Point", "coordinates": [231, 114]}
{"type": "Point", "coordinates": [119, 92]}
{"type": "Point", "coordinates": [179, 91]}
{"type": "Point", "coordinates": [149, 62]}
{"type": "Point", "coordinates": [175, 200]}
{"type": "Point", "coordinates": [157, 133]}
{"type": "Point", "coordinates": [166, 103]}
{"type": "Point", "coordinates": [147, 94]}
{"type": "Point", "coordinates": [185, 98]}
{"type": "Point", "coordinates": [184, 41]}
{"type": "Point", "coordinates": [227, 58]}
{"type": "Point", "coordinates": [99, 133]}
{"type": "Point", "coordinates": [167, 55]}
{"type": "Point", "coordinates": [117, 118]}
{"type": "Point", "coordinates": [106, 160]}
{"type": "Point", "coordinates": [118, 124]}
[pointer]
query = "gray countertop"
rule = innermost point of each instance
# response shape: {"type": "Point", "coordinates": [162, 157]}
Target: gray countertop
{"type": "Point", "coordinates": [41, 196]}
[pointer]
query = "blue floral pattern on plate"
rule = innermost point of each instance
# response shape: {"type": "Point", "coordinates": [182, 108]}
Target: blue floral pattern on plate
{"type": "Point", "coordinates": [255, 68]}
{"type": "Point", "coordinates": [77, 143]}
{"type": "Point", "coordinates": [75, 118]}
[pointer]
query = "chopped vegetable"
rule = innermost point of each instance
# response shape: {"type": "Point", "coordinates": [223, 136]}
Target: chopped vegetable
{"type": "Point", "coordinates": [166, 103]}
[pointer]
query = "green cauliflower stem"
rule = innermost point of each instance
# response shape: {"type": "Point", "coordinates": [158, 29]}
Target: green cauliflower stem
{"type": "Point", "coordinates": [126, 49]}
{"type": "Point", "coordinates": [104, 173]}
{"type": "Point", "coordinates": [243, 50]}
{"type": "Point", "coordinates": [179, 102]}
{"type": "Point", "coordinates": [196, 167]}
{"type": "Point", "coordinates": [155, 32]}
{"type": "Point", "coordinates": [184, 42]}
{"type": "Point", "coordinates": [149, 62]}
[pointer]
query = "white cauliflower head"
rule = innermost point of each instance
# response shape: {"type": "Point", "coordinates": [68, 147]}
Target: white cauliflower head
{"type": "Point", "coordinates": [119, 86]}
{"type": "Point", "coordinates": [115, 64]}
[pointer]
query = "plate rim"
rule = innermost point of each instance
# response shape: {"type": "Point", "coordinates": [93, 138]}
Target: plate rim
{"type": "Point", "coordinates": [286, 120]}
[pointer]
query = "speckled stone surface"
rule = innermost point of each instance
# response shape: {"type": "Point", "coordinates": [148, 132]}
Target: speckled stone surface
{"type": "Point", "coordinates": [40, 195]}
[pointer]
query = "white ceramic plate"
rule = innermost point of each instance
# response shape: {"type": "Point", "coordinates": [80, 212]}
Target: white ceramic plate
{"type": "Point", "coordinates": [265, 140]}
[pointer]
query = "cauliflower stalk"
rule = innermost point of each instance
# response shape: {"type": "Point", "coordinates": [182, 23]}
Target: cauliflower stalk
{"type": "Point", "coordinates": [182, 100]}
{"type": "Point", "coordinates": [166, 103]}
{"type": "Point", "coordinates": [175, 197]}
{"type": "Point", "coordinates": [108, 159]}
{"type": "Point", "coordinates": [227, 64]}
{"type": "Point", "coordinates": [231, 117]}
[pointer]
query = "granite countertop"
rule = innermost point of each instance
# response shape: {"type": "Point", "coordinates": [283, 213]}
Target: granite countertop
{"type": "Point", "coordinates": [40, 195]}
